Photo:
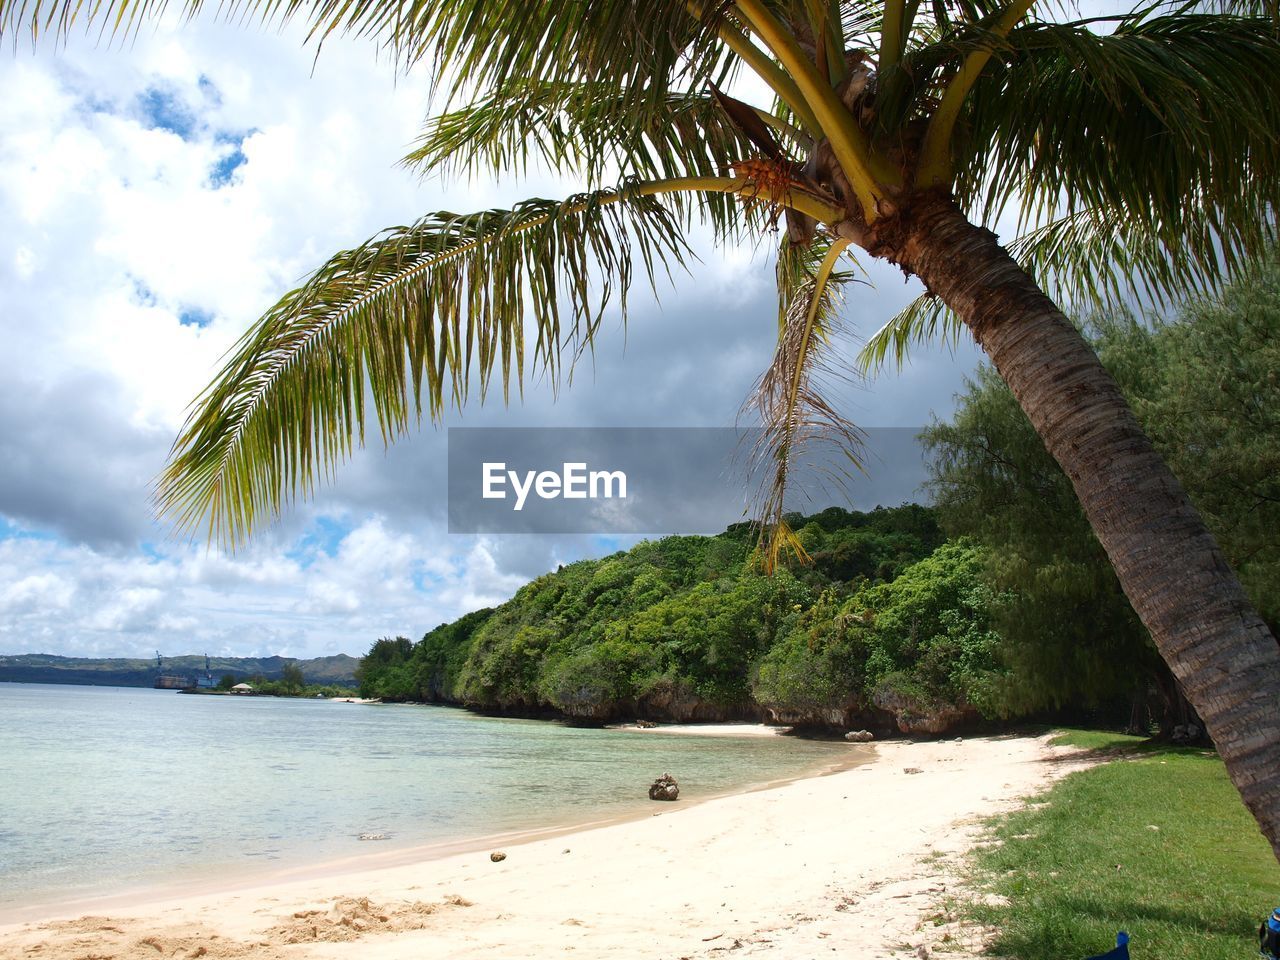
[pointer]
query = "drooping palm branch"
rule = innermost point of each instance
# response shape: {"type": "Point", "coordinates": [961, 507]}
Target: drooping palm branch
{"type": "Point", "coordinates": [420, 316]}
{"type": "Point", "coordinates": [791, 398]}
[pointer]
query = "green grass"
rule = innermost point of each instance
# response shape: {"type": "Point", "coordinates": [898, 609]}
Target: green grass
{"type": "Point", "coordinates": [1097, 740]}
{"type": "Point", "coordinates": [1082, 862]}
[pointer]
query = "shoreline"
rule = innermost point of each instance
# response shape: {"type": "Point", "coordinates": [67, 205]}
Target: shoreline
{"type": "Point", "coordinates": [241, 878]}
{"type": "Point", "coordinates": [795, 869]}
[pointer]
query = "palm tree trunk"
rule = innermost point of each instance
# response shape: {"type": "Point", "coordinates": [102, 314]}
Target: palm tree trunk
{"type": "Point", "coordinates": [1168, 563]}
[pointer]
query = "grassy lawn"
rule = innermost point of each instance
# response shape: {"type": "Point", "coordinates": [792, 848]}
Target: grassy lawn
{"type": "Point", "coordinates": [1084, 861]}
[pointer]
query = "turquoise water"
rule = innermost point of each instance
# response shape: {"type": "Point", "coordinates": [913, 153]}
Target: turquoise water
{"type": "Point", "coordinates": [109, 789]}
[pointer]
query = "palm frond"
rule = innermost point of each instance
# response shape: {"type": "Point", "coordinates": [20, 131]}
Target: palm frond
{"type": "Point", "coordinates": [1249, 8]}
{"type": "Point", "coordinates": [419, 315]}
{"type": "Point", "coordinates": [925, 319]}
{"type": "Point", "coordinates": [791, 397]}
{"type": "Point", "coordinates": [1157, 144]}
{"type": "Point", "coordinates": [640, 45]}
{"type": "Point", "coordinates": [588, 129]}
{"type": "Point", "coordinates": [1096, 259]}
{"type": "Point", "coordinates": [794, 272]}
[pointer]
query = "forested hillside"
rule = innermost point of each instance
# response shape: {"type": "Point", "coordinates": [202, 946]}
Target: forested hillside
{"type": "Point", "coordinates": [887, 622]}
{"type": "Point", "coordinates": [893, 624]}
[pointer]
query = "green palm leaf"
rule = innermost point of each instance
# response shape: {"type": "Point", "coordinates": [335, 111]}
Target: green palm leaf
{"type": "Point", "coordinates": [640, 45]}
{"type": "Point", "coordinates": [419, 315]}
{"type": "Point", "coordinates": [581, 128]}
{"type": "Point", "coordinates": [1097, 259]}
{"type": "Point", "coordinates": [1132, 156]}
{"type": "Point", "coordinates": [1134, 163]}
{"type": "Point", "coordinates": [587, 129]}
{"type": "Point", "coordinates": [925, 319]}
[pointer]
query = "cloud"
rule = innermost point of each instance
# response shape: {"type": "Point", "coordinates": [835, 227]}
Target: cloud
{"type": "Point", "coordinates": [36, 592]}
{"type": "Point", "coordinates": [70, 463]}
{"type": "Point", "coordinates": [378, 582]}
{"type": "Point", "coordinates": [157, 198]}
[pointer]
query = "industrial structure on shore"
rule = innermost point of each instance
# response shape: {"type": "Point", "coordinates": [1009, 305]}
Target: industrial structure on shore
{"type": "Point", "coordinates": [173, 681]}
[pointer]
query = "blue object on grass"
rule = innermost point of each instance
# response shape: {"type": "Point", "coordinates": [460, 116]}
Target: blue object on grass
{"type": "Point", "coordinates": [1269, 937]}
{"type": "Point", "coordinates": [1121, 952]}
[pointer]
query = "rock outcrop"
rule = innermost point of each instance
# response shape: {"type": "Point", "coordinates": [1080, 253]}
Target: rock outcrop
{"type": "Point", "coordinates": [664, 788]}
{"type": "Point", "coordinates": [913, 717]}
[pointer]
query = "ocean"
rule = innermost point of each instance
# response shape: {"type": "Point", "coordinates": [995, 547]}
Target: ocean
{"type": "Point", "coordinates": [108, 790]}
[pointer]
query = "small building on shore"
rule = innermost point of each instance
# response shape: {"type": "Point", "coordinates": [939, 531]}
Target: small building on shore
{"type": "Point", "coordinates": [242, 688]}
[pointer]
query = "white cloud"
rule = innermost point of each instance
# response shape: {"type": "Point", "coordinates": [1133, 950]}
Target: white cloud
{"type": "Point", "coordinates": [133, 610]}
{"type": "Point", "coordinates": [376, 583]}
{"type": "Point", "coordinates": [36, 592]}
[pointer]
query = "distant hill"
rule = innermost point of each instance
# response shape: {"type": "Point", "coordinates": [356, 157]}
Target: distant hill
{"type": "Point", "coordinates": [119, 672]}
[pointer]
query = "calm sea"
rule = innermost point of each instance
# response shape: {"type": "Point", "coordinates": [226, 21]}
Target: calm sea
{"type": "Point", "coordinates": [105, 790]}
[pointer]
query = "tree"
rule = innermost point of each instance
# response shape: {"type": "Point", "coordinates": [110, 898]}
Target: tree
{"type": "Point", "coordinates": [1203, 386]}
{"type": "Point", "coordinates": [1071, 637]}
{"type": "Point", "coordinates": [1208, 392]}
{"type": "Point", "coordinates": [1138, 146]}
{"type": "Point", "coordinates": [292, 679]}
{"type": "Point", "coordinates": [671, 628]}
{"type": "Point", "coordinates": [384, 654]}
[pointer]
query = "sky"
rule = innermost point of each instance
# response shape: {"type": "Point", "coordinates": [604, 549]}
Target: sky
{"type": "Point", "coordinates": [157, 196]}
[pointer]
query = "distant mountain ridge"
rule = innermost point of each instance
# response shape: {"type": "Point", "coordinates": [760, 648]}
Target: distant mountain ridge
{"type": "Point", "coordinates": [124, 672]}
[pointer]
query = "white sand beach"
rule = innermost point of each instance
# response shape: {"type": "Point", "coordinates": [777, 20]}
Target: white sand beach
{"type": "Point", "coordinates": [706, 729]}
{"type": "Point", "coordinates": [840, 865]}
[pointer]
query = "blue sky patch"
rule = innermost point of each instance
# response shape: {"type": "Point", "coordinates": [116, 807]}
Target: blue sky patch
{"type": "Point", "coordinates": [142, 293]}
{"type": "Point", "coordinates": [11, 531]}
{"type": "Point", "coordinates": [604, 544]}
{"type": "Point", "coordinates": [424, 579]}
{"type": "Point", "coordinates": [195, 317]}
{"type": "Point", "coordinates": [322, 538]}
{"type": "Point", "coordinates": [164, 110]}
{"type": "Point", "coordinates": [232, 159]}
{"type": "Point", "coordinates": [211, 93]}
{"type": "Point", "coordinates": [91, 103]}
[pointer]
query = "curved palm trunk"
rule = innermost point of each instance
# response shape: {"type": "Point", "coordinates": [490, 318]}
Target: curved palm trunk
{"type": "Point", "coordinates": [1168, 563]}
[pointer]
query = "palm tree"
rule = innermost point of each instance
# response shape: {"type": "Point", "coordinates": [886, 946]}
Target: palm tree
{"type": "Point", "coordinates": [1140, 150]}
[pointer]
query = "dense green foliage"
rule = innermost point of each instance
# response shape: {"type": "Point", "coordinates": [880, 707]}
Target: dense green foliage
{"type": "Point", "coordinates": [291, 678]}
{"type": "Point", "coordinates": [1208, 391]}
{"type": "Point", "coordinates": [1159, 846]}
{"type": "Point", "coordinates": [687, 627]}
{"type": "Point", "coordinates": [1206, 388]}
{"type": "Point", "coordinates": [1071, 636]}
{"type": "Point", "coordinates": [915, 646]}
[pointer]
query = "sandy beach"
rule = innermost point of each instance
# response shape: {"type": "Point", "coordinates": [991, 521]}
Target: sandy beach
{"type": "Point", "coordinates": [845, 865]}
{"type": "Point", "coordinates": [705, 729]}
